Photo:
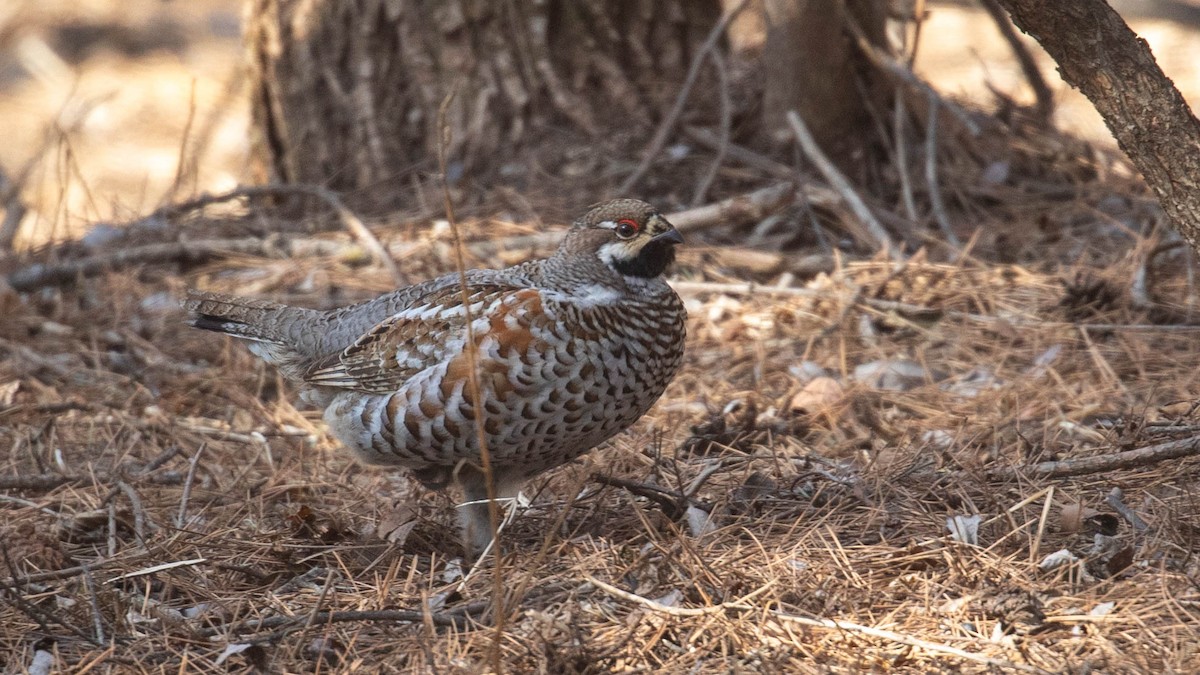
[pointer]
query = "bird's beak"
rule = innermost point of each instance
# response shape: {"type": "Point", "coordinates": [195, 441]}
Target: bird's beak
{"type": "Point", "coordinates": [671, 236]}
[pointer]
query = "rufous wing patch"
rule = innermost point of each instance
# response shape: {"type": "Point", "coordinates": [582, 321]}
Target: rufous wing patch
{"type": "Point", "coordinates": [510, 328]}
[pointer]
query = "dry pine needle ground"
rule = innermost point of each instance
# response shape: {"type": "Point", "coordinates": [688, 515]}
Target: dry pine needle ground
{"type": "Point", "coordinates": [166, 508]}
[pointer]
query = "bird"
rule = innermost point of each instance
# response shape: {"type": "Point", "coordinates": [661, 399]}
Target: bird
{"type": "Point", "coordinates": [542, 361]}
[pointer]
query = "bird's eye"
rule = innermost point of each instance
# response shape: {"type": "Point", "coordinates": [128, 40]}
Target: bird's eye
{"type": "Point", "coordinates": [626, 228]}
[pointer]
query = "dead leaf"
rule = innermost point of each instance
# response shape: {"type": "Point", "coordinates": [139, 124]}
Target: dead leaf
{"type": "Point", "coordinates": [8, 391]}
{"type": "Point", "coordinates": [396, 524]}
{"type": "Point", "coordinates": [1119, 561]}
{"type": "Point", "coordinates": [326, 649]}
{"type": "Point", "coordinates": [672, 599]}
{"type": "Point", "coordinates": [897, 375]}
{"type": "Point", "coordinates": [255, 653]}
{"type": "Point", "coordinates": [1058, 559]}
{"type": "Point", "coordinates": [756, 486]}
{"type": "Point", "coordinates": [807, 371]}
{"type": "Point", "coordinates": [1072, 517]}
{"type": "Point", "coordinates": [964, 529]}
{"type": "Point", "coordinates": [42, 663]}
{"type": "Point", "coordinates": [818, 396]}
{"type": "Point", "coordinates": [995, 173]}
{"type": "Point", "coordinates": [303, 516]}
{"type": "Point", "coordinates": [699, 521]}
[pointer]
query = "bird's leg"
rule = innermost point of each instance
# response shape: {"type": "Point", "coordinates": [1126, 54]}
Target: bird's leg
{"type": "Point", "coordinates": [474, 514]}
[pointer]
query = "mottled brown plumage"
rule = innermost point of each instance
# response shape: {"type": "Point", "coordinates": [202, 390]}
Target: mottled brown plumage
{"type": "Point", "coordinates": [571, 350]}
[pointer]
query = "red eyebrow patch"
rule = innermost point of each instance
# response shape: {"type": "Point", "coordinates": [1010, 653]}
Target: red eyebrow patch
{"type": "Point", "coordinates": [630, 222]}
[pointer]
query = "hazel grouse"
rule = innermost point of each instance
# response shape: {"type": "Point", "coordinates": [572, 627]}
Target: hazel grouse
{"type": "Point", "coordinates": [570, 351]}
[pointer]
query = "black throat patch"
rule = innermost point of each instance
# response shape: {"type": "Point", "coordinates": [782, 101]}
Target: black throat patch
{"type": "Point", "coordinates": [650, 262]}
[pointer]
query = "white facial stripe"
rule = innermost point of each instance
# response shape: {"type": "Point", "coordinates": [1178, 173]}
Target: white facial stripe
{"type": "Point", "coordinates": [607, 224]}
{"type": "Point", "coordinates": [614, 250]}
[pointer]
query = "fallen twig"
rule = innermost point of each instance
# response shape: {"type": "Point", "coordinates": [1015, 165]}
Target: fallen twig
{"type": "Point", "coordinates": [39, 275]}
{"type": "Point", "coordinates": [312, 616]}
{"type": "Point", "coordinates": [300, 621]}
{"type": "Point", "coordinates": [155, 569]}
{"type": "Point", "coordinates": [1115, 500]}
{"type": "Point", "coordinates": [1128, 459]}
{"type": "Point", "coordinates": [735, 210]}
{"type": "Point", "coordinates": [9, 499]}
{"type": "Point", "coordinates": [49, 481]}
{"type": "Point", "coordinates": [52, 575]}
{"type": "Point", "coordinates": [742, 208]}
{"type": "Point", "coordinates": [931, 175]}
{"type": "Point", "coordinates": [139, 512]}
{"type": "Point", "coordinates": [181, 516]}
{"type": "Point", "coordinates": [43, 409]}
{"type": "Point", "coordinates": [750, 206]}
{"type": "Point", "coordinates": [26, 354]}
{"type": "Point", "coordinates": [726, 120]}
{"type": "Point", "coordinates": [94, 602]}
{"type": "Point", "coordinates": [668, 124]}
{"type": "Point", "coordinates": [899, 113]}
{"type": "Point", "coordinates": [739, 153]}
{"type": "Point", "coordinates": [672, 502]}
{"type": "Point", "coordinates": [809, 146]}
{"type": "Point", "coordinates": [349, 220]}
{"type": "Point", "coordinates": [916, 311]}
{"type": "Point", "coordinates": [39, 481]}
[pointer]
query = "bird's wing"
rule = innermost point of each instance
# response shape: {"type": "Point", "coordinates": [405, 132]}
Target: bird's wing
{"type": "Point", "coordinates": [430, 331]}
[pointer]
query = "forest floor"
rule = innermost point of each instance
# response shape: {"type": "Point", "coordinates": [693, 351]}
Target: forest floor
{"type": "Point", "coordinates": [982, 460]}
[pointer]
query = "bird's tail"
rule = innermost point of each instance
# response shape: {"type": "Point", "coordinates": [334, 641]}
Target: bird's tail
{"type": "Point", "coordinates": [246, 318]}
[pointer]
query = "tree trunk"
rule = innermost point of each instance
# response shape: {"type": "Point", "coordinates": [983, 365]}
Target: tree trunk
{"type": "Point", "coordinates": [811, 65]}
{"type": "Point", "coordinates": [804, 58]}
{"type": "Point", "coordinates": [348, 93]}
{"type": "Point", "coordinates": [1097, 53]}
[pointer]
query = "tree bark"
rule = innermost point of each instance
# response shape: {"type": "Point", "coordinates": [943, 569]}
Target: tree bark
{"type": "Point", "coordinates": [348, 93]}
{"type": "Point", "coordinates": [1098, 54]}
{"type": "Point", "coordinates": [809, 63]}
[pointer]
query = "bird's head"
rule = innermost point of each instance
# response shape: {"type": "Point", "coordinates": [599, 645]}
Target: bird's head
{"type": "Point", "coordinates": [627, 235]}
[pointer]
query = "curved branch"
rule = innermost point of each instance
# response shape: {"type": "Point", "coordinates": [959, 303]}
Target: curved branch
{"type": "Point", "coordinates": [1098, 54]}
{"type": "Point", "coordinates": [1033, 74]}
